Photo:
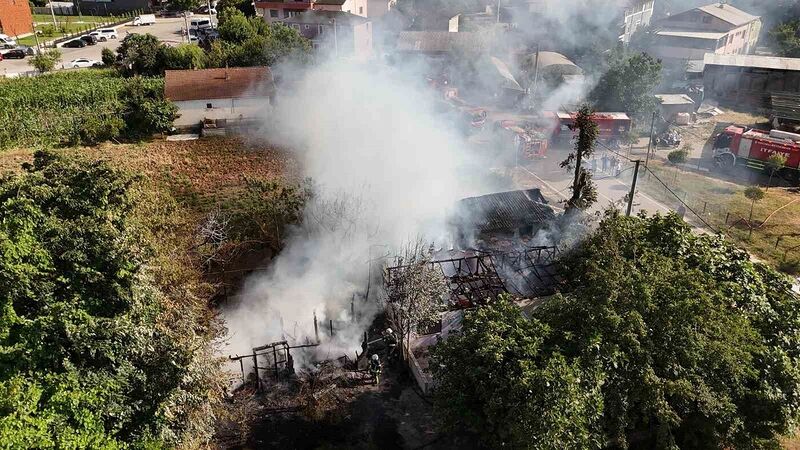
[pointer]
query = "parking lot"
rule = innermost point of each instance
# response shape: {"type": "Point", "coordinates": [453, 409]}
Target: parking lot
{"type": "Point", "coordinates": [166, 30]}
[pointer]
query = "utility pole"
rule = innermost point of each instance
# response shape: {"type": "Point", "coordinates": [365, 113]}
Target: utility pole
{"type": "Point", "coordinates": [53, 14]}
{"type": "Point", "coordinates": [650, 142]}
{"type": "Point", "coordinates": [498, 11]}
{"type": "Point", "coordinates": [36, 38]}
{"type": "Point", "coordinates": [210, 19]}
{"type": "Point", "coordinates": [186, 25]}
{"type": "Point", "coordinates": [633, 187]}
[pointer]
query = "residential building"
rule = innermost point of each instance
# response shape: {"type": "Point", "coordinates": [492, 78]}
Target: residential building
{"type": "Point", "coordinates": [749, 79]}
{"type": "Point", "coordinates": [718, 28]}
{"type": "Point", "coordinates": [339, 32]}
{"type": "Point", "coordinates": [440, 43]}
{"type": "Point", "coordinates": [214, 95]}
{"type": "Point", "coordinates": [371, 9]}
{"type": "Point", "coordinates": [475, 21]}
{"type": "Point", "coordinates": [279, 10]}
{"type": "Point", "coordinates": [15, 17]}
{"type": "Point", "coordinates": [106, 7]}
{"type": "Point", "coordinates": [637, 14]}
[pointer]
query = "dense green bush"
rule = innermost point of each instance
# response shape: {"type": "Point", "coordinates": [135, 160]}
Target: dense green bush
{"type": "Point", "coordinates": [662, 339]}
{"type": "Point", "coordinates": [85, 359]}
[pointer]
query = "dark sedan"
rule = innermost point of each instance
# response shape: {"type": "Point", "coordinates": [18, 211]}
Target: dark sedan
{"type": "Point", "coordinates": [89, 39]}
{"type": "Point", "coordinates": [14, 54]}
{"type": "Point", "coordinates": [76, 43]}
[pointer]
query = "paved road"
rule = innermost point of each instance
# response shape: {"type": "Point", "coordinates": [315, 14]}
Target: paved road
{"type": "Point", "coordinates": [166, 30]}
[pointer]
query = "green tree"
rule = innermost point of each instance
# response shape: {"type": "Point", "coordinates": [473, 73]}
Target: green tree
{"type": "Point", "coordinates": [775, 163]}
{"type": "Point", "coordinates": [754, 194]}
{"type": "Point", "coordinates": [245, 6]}
{"type": "Point", "coordinates": [84, 362]}
{"type": "Point", "coordinates": [140, 54]}
{"type": "Point", "coordinates": [627, 85]}
{"type": "Point", "coordinates": [146, 111]}
{"type": "Point", "coordinates": [45, 61]}
{"type": "Point", "coordinates": [187, 56]}
{"type": "Point", "coordinates": [184, 5]}
{"type": "Point", "coordinates": [108, 57]}
{"type": "Point", "coordinates": [584, 193]}
{"type": "Point", "coordinates": [234, 26]}
{"type": "Point", "coordinates": [660, 339]}
{"type": "Point", "coordinates": [786, 39]}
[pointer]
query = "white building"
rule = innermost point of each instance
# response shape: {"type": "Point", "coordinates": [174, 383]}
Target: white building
{"type": "Point", "coordinates": [371, 9]}
{"type": "Point", "coordinates": [638, 14]}
{"type": "Point", "coordinates": [240, 93]}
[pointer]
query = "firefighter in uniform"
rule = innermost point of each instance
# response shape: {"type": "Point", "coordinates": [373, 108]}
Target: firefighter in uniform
{"type": "Point", "coordinates": [375, 368]}
{"type": "Point", "coordinates": [391, 342]}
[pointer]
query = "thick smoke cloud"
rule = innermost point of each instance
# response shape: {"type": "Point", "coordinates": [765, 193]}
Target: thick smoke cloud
{"type": "Point", "coordinates": [386, 167]}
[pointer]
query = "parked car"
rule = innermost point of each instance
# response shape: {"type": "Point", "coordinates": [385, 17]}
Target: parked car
{"type": "Point", "coordinates": [14, 54]}
{"type": "Point", "coordinates": [1, 57]}
{"type": "Point", "coordinates": [84, 62]}
{"type": "Point", "coordinates": [199, 24]}
{"type": "Point", "coordinates": [30, 51]}
{"type": "Point", "coordinates": [75, 43]}
{"type": "Point", "coordinates": [109, 33]}
{"type": "Point", "coordinates": [7, 40]}
{"type": "Point", "coordinates": [205, 10]}
{"type": "Point", "coordinates": [89, 39]}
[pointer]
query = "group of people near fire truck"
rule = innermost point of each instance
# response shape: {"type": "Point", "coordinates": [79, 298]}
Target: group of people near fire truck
{"type": "Point", "coordinates": [611, 165]}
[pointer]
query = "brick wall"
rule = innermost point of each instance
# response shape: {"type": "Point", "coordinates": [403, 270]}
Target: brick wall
{"type": "Point", "coordinates": [15, 17]}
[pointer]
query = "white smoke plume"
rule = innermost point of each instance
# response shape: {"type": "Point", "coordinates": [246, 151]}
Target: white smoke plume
{"type": "Point", "coordinates": [386, 167]}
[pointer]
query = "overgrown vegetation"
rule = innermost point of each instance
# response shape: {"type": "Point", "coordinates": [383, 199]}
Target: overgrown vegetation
{"type": "Point", "coordinates": [662, 339]}
{"type": "Point", "coordinates": [584, 192]}
{"type": "Point", "coordinates": [80, 107]}
{"type": "Point", "coordinates": [94, 352]}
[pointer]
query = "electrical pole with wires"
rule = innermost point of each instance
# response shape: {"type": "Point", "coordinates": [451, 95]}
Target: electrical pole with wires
{"type": "Point", "coordinates": [633, 187]}
{"type": "Point", "coordinates": [650, 141]}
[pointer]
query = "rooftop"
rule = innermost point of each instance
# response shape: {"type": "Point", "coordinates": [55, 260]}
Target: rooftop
{"type": "Point", "coordinates": [758, 62]}
{"type": "Point", "coordinates": [675, 99]}
{"type": "Point", "coordinates": [438, 41]}
{"type": "Point", "coordinates": [728, 13]}
{"type": "Point", "coordinates": [322, 17]}
{"type": "Point", "coordinates": [238, 82]}
{"type": "Point", "coordinates": [506, 210]}
{"type": "Point", "coordinates": [692, 34]}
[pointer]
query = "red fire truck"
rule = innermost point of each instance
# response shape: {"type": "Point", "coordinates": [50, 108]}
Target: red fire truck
{"type": "Point", "coordinates": [611, 126]}
{"type": "Point", "coordinates": [740, 145]}
{"type": "Point", "coordinates": [528, 140]}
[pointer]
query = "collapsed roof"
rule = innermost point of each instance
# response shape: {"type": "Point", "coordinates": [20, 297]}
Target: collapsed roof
{"type": "Point", "coordinates": [504, 211]}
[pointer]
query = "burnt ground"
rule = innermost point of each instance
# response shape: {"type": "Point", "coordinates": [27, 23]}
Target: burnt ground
{"type": "Point", "coordinates": [357, 415]}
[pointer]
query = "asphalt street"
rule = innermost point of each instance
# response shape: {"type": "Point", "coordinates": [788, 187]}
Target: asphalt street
{"type": "Point", "coordinates": [166, 30]}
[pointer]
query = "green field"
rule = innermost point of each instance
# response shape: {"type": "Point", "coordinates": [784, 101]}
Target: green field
{"type": "Point", "coordinates": [64, 26]}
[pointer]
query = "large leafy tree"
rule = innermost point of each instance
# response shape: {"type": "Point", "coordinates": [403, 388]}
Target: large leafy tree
{"type": "Point", "coordinates": [84, 362]}
{"type": "Point", "coordinates": [140, 54]}
{"type": "Point", "coordinates": [584, 192]}
{"type": "Point", "coordinates": [627, 84]}
{"type": "Point", "coordinates": [669, 340]}
{"type": "Point", "coordinates": [786, 39]}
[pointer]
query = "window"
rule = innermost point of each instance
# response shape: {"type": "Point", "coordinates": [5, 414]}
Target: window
{"type": "Point", "coordinates": [273, 13]}
{"type": "Point", "coordinates": [209, 106]}
{"type": "Point", "coordinates": [361, 10]}
{"type": "Point", "coordinates": [320, 28]}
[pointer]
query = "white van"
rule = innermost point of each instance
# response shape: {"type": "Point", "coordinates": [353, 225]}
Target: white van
{"type": "Point", "coordinates": [7, 41]}
{"type": "Point", "coordinates": [144, 19]}
{"type": "Point", "coordinates": [107, 33]}
{"type": "Point", "coordinates": [200, 24]}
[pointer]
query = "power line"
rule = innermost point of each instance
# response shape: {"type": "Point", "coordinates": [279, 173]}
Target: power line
{"type": "Point", "coordinates": [711, 227]}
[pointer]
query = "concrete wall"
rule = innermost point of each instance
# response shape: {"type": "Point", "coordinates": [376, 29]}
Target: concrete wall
{"type": "Point", "coordinates": [636, 17]}
{"type": "Point", "coordinates": [192, 112]}
{"type": "Point", "coordinates": [15, 17]}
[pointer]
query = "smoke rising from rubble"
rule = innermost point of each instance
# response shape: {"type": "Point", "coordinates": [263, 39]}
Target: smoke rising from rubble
{"type": "Point", "coordinates": [387, 171]}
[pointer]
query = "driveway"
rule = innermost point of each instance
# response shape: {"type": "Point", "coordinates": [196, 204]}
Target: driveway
{"type": "Point", "coordinates": [166, 30]}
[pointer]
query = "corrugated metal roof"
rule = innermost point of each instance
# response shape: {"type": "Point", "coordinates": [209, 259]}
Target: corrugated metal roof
{"type": "Point", "coordinates": [507, 211]}
{"type": "Point", "coordinates": [728, 13]}
{"type": "Point", "coordinates": [692, 34]}
{"type": "Point", "coordinates": [760, 62]}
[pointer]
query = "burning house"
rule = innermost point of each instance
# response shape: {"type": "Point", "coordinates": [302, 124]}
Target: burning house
{"type": "Point", "coordinates": [482, 222]}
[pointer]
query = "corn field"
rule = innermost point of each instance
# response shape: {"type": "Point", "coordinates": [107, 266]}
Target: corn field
{"type": "Point", "coordinates": [50, 109]}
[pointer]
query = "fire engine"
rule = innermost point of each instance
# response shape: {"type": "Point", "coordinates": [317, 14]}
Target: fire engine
{"type": "Point", "coordinates": [740, 145]}
{"type": "Point", "coordinates": [611, 126]}
{"type": "Point", "coordinates": [529, 141]}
